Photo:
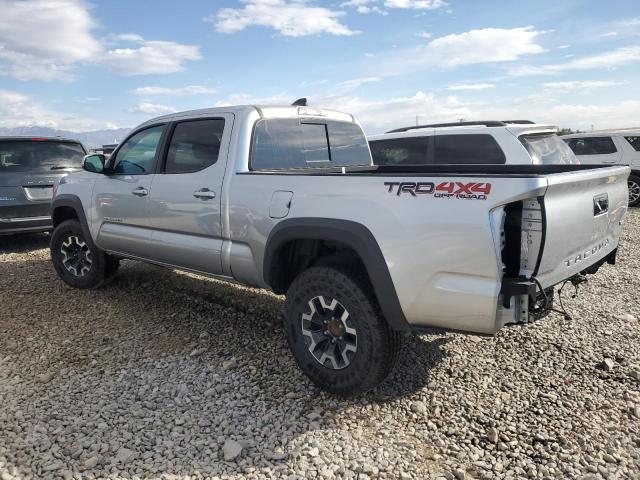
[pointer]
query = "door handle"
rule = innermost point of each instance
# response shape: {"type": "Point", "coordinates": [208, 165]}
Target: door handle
{"type": "Point", "coordinates": [140, 192]}
{"type": "Point", "coordinates": [204, 194]}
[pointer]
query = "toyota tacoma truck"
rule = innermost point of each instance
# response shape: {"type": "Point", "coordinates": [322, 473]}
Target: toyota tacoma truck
{"type": "Point", "coordinates": [287, 199]}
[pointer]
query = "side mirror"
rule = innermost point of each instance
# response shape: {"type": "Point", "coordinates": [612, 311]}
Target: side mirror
{"type": "Point", "coordinates": [94, 163]}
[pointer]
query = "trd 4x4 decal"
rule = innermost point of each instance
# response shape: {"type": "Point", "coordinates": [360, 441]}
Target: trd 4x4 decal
{"type": "Point", "coordinates": [469, 191]}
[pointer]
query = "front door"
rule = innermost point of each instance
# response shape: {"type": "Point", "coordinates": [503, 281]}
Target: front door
{"type": "Point", "coordinates": [185, 199]}
{"type": "Point", "coordinates": [121, 197]}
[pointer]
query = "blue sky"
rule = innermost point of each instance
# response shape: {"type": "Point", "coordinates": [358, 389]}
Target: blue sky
{"type": "Point", "coordinates": [83, 65]}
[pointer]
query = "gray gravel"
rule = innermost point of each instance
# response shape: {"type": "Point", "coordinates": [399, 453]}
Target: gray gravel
{"type": "Point", "coordinates": [169, 375]}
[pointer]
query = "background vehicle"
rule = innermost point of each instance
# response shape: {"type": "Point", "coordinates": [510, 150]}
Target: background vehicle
{"type": "Point", "coordinates": [518, 142]}
{"type": "Point", "coordinates": [611, 147]}
{"type": "Point", "coordinates": [29, 169]}
{"type": "Point", "coordinates": [287, 198]}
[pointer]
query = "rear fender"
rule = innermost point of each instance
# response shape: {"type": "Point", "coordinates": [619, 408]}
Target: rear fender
{"type": "Point", "coordinates": [354, 235]}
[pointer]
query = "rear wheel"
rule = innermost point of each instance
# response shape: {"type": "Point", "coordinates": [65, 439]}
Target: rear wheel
{"type": "Point", "coordinates": [77, 261]}
{"type": "Point", "coordinates": [336, 332]}
{"type": "Point", "coordinates": [634, 190]}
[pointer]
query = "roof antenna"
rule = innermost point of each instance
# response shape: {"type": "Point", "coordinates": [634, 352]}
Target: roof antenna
{"type": "Point", "coordinates": [301, 102]}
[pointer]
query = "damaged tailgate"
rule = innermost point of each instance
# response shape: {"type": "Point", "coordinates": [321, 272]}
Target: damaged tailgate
{"type": "Point", "coordinates": [582, 218]}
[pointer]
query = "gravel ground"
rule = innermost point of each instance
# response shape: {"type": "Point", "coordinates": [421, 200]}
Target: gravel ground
{"type": "Point", "coordinates": [169, 375]}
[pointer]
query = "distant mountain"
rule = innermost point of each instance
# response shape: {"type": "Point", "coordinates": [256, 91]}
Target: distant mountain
{"type": "Point", "coordinates": [95, 138]}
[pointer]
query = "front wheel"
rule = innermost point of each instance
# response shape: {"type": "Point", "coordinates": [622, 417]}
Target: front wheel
{"type": "Point", "coordinates": [77, 261]}
{"type": "Point", "coordinates": [336, 332]}
{"type": "Point", "coordinates": [634, 190]}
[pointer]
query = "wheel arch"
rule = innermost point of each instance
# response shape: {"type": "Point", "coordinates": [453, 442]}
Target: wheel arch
{"type": "Point", "coordinates": [278, 272]}
{"type": "Point", "coordinates": [69, 207]}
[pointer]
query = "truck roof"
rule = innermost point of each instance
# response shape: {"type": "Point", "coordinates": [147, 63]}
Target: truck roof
{"type": "Point", "coordinates": [265, 111]}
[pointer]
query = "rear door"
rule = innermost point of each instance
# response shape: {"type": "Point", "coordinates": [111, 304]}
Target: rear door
{"type": "Point", "coordinates": [185, 199]}
{"type": "Point", "coordinates": [582, 217]}
{"type": "Point", "coordinates": [121, 198]}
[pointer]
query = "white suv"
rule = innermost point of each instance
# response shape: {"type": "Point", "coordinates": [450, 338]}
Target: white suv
{"type": "Point", "coordinates": [621, 147]}
{"type": "Point", "coordinates": [519, 142]}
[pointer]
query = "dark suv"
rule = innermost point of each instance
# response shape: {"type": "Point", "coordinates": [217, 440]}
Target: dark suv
{"type": "Point", "coordinates": [29, 169]}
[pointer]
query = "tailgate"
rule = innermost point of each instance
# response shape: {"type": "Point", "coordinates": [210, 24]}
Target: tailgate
{"type": "Point", "coordinates": [583, 216]}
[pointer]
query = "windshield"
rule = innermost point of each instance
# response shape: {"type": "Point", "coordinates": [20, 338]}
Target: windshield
{"type": "Point", "coordinates": [39, 155]}
{"type": "Point", "coordinates": [548, 149]}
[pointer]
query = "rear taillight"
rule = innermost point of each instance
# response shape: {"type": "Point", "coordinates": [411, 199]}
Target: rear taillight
{"type": "Point", "coordinates": [531, 238]}
{"type": "Point", "coordinates": [523, 238]}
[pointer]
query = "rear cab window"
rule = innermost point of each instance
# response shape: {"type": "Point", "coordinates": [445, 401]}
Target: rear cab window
{"type": "Point", "coordinates": [289, 143]}
{"type": "Point", "coordinates": [548, 149]}
{"type": "Point", "coordinates": [39, 155]}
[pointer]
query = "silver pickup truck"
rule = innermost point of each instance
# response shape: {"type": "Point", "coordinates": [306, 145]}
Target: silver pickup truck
{"type": "Point", "coordinates": [287, 198]}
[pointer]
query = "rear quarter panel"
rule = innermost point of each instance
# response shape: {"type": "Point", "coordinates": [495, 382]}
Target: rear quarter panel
{"type": "Point", "coordinates": [442, 253]}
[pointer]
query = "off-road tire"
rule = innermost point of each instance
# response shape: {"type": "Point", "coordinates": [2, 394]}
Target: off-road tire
{"type": "Point", "coordinates": [378, 346]}
{"type": "Point", "coordinates": [102, 269]}
{"type": "Point", "coordinates": [634, 182]}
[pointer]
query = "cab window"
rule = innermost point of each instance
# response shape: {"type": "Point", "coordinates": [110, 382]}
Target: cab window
{"type": "Point", "coordinates": [137, 155]}
{"type": "Point", "coordinates": [194, 145]}
{"type": "Point", "coordinates": [283, 143]}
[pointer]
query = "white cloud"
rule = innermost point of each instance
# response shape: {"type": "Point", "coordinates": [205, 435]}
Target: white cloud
{"type": "Point", "coordinates": [378, 115]}
{"type": "Point", "coordinates": [608, 60]}
{"type": "Point", "coordinates": [178, 91]}
{"type": "Point", "coordinates": [609, 34]}
{"type": "Point", "coordinates": [291, 18]}
{"type": "Point", "coordinates": [562, 47]}
{"type": "Point", "coordinates": [357, 82]}
{"type": "Point", "coordinates": [487, 45]}
{"type": "Point", "coordinates": [424, 34]}
{"type": "Point", "coordinates": [149, 108]}
{"type": "Point", "coordinates": [381, 114]}
{"type": "Point", "coordinates": [20, 110]}
{"type": "Point", "coordinates": [579, 85]}
{"type": "Point", "coordinates": [46, 39]}
{"type": "Point", "coordinates": [368, 6]}
{"type": "Point", "coordinates": [415, 4]}
{"type": "Point", "coordinates": [148, 57]}
{"type": "Point", "coordinates": [484, 46]}
{"type": "Point", "coordinates": [364, 6]}
{"type": "Point", "coordinates": [471, 86]}
{"type": "Point", "coordinates": [43, 39]}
